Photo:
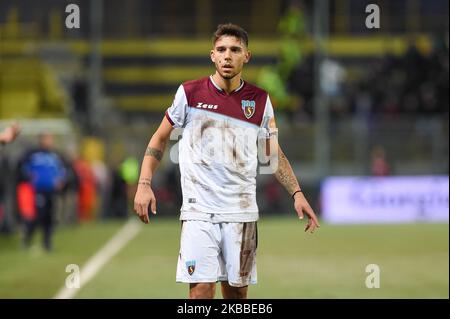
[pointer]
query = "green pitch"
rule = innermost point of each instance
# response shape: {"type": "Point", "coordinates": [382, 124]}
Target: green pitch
{"type": "Point", "coordinates": [413, 261]}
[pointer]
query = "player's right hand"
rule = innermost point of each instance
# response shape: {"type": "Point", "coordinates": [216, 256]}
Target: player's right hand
{"type": "Point", "coordinates": [143, 200]}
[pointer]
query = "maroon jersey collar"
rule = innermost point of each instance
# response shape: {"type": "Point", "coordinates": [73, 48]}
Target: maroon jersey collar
{"type": "Point", "coordinates": [221, 90]}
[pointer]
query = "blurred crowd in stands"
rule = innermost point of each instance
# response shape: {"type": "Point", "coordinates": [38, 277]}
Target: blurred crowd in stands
{"type": "Point", "coordinates": [412, 83]}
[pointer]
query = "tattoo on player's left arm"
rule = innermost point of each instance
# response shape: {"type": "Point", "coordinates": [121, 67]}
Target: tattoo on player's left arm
{"type": "Point", "coordinates": [154, 152]}
{"type": "Point", "coordinates": [285, 175]}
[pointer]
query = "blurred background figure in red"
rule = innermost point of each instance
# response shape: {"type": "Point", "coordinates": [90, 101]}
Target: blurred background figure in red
{"type": "Point", "coordinates": [87, 189]}
{"type": "Point", "coordinates": [379, 163]}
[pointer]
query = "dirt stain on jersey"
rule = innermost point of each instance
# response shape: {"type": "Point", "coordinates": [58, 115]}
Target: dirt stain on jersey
{"type": "Point", "coordinates": [244, 200]}
{"type": "Point", "coordinates": [205, 187]}
{"type": "Point", "coordinates": [236, 158]}
{"type": "Point", "coordinates": [238, 161]}
{"type": "Point", "coordinates": [205, 124]}
{"type": "Point", "coordinates": [204, 164]}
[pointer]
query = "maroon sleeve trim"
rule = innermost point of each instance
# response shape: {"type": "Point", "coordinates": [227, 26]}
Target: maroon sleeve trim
{"type": "Point", "coordinates": [169, 119]}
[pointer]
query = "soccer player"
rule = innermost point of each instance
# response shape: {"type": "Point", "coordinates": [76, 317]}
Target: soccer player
{"type": "Point", "coordinates": [222, 117]}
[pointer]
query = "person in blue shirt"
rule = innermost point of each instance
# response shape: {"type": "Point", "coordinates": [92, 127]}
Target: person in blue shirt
{"type": "Point", "coordinates": [46, 171]}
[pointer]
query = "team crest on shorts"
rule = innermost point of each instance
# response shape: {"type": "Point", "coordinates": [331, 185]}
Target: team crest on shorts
{"type": "Point", "coordinates": [190, 266]}
{"type": "Point", "coordinates": [248, 107]}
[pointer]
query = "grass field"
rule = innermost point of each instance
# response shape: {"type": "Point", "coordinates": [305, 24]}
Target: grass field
{"type": "Point", "coordinates": [413, 261]}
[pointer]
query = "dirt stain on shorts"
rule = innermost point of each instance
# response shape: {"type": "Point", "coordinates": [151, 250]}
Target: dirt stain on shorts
{"type": "Point", "coordinates": [248, 248]}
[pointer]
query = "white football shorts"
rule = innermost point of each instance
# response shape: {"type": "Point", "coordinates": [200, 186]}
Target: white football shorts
{"type": "Point", "coordinates": [211, 252]}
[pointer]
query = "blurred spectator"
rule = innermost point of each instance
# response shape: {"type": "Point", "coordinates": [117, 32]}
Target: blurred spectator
{"type": "Point", "coordinates": [69, 203]}
{"type": "Point", "coordinates": [129, 170]}
{"type": "Point", "coordinates": [87, 189]}
{"type": "Point", "coordinates": [42, 175]}
{"type": "Point", "coordinates": [412, 83]}
{"type": "Point", "coordinates": [118, 204]}
{"type": "Point", "coordinates": [4, 169]}
{"type": "Point", "coordinates": [332, 76]}
{"type": "Point", "coordinates": [80, 100]}
{"type": "Point", "coordinates": [273, 196]}
{"type": "Point", "coordinates": [379, 163]}
{"type": "Point", "coordinates": [103, 183]}
{"type": "Point", "coordinates": [7, 135]}
{"type": "Point", "coordinates": [274, 79]}
{"type": "Point", "coordinates": [10, 133]}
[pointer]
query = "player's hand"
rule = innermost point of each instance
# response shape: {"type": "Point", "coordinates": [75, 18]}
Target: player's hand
{"type": "Point", "coordinates": [302, 207]}
{"type": "Point", "coordinates": [10, 133]}
{"type": "Point", "coordinates": [144, 199]}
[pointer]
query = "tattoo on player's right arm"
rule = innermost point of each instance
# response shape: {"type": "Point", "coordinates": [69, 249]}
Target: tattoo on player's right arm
{"type": "Point", "coordinates": [154, 152]}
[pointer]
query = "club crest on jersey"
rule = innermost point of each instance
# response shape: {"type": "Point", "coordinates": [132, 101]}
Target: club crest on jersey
{"type": "Point", "coordinates": [248, 107]}
{"type": "Point", "coordinates": [190, 265]}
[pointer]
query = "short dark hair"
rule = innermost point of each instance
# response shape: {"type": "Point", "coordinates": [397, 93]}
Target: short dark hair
{"type": "Point", "coordinates": [231, 29]}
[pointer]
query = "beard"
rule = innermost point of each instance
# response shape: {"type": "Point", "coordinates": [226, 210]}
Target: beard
{"type": "Point", "coordinates": [226, 76]}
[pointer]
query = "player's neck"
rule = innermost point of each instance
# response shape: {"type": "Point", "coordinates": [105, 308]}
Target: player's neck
{"type": "Point", "coordinates": [227, 85]}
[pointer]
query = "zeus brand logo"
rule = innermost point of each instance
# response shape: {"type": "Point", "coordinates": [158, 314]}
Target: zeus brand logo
{"type": "Point", "coordinates": [202, 105]}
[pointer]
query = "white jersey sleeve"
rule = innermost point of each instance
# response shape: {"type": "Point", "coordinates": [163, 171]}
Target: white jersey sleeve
{"type": "Point", "coordinates": [178, 110]}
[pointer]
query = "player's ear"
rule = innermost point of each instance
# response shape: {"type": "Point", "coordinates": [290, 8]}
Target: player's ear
{"type": "Point", "coordinates": [248, 55]}
{"type": "Point", "coordinates": [211, 54]}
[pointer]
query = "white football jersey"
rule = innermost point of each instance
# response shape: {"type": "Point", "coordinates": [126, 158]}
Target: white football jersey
{"type": "Point", "coordinates": [218, 151]}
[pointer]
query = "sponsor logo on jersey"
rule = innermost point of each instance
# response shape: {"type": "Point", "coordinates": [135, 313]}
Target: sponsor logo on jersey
{"type": "Point", "coordinates": [202, 105]}
{"type": "Point", "coordinates": [248, 107]}
{"type": "Point", "coordinates": [190, 265]}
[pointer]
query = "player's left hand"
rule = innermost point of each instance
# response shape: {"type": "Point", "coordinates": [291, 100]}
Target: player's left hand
{"type": "Point", "coordinates": [302, 207]}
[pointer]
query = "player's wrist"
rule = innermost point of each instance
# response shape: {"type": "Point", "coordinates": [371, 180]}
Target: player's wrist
{"type": "Point", "coordinates": [147, 182]}
{"type": "Point", "coordinates": [297, 193]}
